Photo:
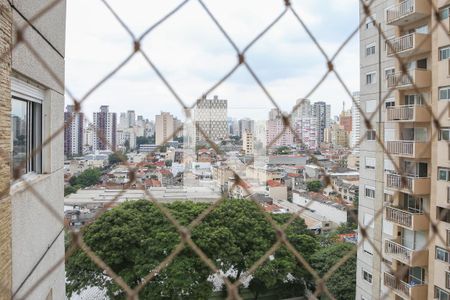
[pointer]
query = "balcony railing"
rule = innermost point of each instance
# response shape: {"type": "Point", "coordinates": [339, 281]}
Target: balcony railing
{"type": "Point", "coordinates": [410, 291]}
{"type": "Point", "coordinates": [398, 11]}
{"type": "Point", "coordinates": [393, 247]}
{"type": "Point", "coordinates": [408, 184]}
{"type": "Point", "coordinates": [414, 221]}
{"type": "Point", "coordinates": [412, 113]}
{"type": "Point", "coordinates": [413, 149]}
{"type": "Point", "coordinates": [400, 44]}
{"type": "Point", "coordinates": [408, 44]}
{"type": "Point", "coordinates": [407, 11]}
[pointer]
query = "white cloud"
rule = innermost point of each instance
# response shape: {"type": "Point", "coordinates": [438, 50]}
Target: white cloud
{"type": "Point", "coordinates": [193, 54]}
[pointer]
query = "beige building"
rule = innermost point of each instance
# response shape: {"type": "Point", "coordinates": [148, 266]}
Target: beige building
{"type": "Point", "coordinates": [247, 142]}
{"type": "Point", "coordinates": [31, 111]}
{"type": "Point", "coordinates": [164, 127]}
{"type": "Point", "coordinates": [412, 264]}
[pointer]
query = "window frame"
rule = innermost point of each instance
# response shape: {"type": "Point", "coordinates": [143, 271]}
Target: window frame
{"type": "Point", "coordinates": [369, 276]}
{"type": "Point", "coordinates": [447, 50]}
{"type": "Point", "coordinates": [444, 252]}
{"type": "Point", "coordinates": [371, 49]}
{"type": "Point", "coordinates": [447, 90]}
{"type": "Point", "coordinates": [373, 76]}
{"type": "Point", "coordinates": [32, 97]}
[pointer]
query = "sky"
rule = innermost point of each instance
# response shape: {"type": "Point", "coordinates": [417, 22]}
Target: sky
{"type": "Point", "coordinates": [192, 54]}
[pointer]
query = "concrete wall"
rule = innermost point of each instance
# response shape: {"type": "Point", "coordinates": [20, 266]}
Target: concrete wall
{"type": "Point", "coordinates": [5, 144]}
{"type": "Point", "coordinates": [37, 242]}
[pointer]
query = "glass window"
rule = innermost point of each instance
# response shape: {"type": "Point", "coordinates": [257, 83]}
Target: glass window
{"type": "Point", "coordinates": [442, 254]}
{"type": "Point", "coordinates": [367, 276]}
{"type": "Point", "coordinates": [370, 21]}
{"type": "Point", "coordinates": [444, 134]}
{"type": "Point", "coordinates": [444, 53]}
{"type": "Point", "coordinates": [444, 93]}
{"type": "Point", "coordinates": [444, 174]}
{"type": "Point", "coordinates": [443, 12]}
{"type": "Point", "coordinates": [440, 294]}
{"type": "Point", "coordinates": [389, 72]}
{"type": "Point", "coordinates": [370, 192]}
{"type": "Point", "coordinates": [26, 136]}
{"type": "Point", "coordinates": [371, 78]}
{"type": "Point", "coordinates": [422, 63]}
{"type": "Point", "coordinates": [370, 49]}
{"type": "Point", "coordinates": [371, 135]}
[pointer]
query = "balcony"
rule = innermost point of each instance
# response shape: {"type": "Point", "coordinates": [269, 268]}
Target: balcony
{"type": "Point", "coordinates": [409, 149]}
{"type": "Point", "coordinates": [421, 78]}
{"type": "Point", "coordinates": [407, 113]}
{"type": "Point", "coordinates": [409, 44]}
{"type": "Point", "coordinates": [401, 217]}
{"type": "Point", "coordinates": [408, 184]}
{"type": "Point", "coordinates": [405, 290]}
{"type": "Point", "coordinates": [410, 257]}
{"type": "Point", "coordinates": [407, 12]}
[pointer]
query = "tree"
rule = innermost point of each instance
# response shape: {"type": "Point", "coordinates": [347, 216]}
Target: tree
{"type": "Point", "coordinates": [283, 150]}
{"type": "Point", "coordinates": [342, 283]}
{"type": "Point", "coordinates": [69, 190]}
{"type": "Point", "coordinates": [347, 227]}
{"type": "Point", "coordinates": [117, 157]}
{"type": "Point", "coordinates": [144, 140]}
{"type": "Point", "coordinates": [314, 185]}
{"type": "Point", "coordinates": [168, 163]}
{"type": "Point", "coordinates": [135, 237]}
{"type": "Point", "coordinates": [127, 145]}
{"type": "Point", "coordinates": [87, 178]}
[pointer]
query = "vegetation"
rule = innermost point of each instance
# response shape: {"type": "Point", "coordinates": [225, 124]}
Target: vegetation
{"type": "Point", "coordinates": [87, 178]}
{"type": "Point", "coordinates": [283, 150]}
{"type": "Point", "coordinates": [342, 283]}
{"type": "Point", "coordinates": [135, 237]}
{"type": "Point", "coordinates": [117, 157]}
{"type": "Point", "coordinates": [347, 227]}
{"type": "Point", "coordinates": [168, 163]}
{"type": "Point", "coordinates": [314, 185]}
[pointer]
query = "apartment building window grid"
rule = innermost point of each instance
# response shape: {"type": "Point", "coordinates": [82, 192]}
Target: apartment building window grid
{"type": "Point", "coordinates": [373, 24]}
{"type": "Point", "coordinates": [367, 276]}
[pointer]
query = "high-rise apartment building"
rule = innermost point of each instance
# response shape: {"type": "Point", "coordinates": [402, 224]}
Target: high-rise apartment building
{"type": "Point", "coordinates": [247, 142]}
{"type": "Point", "coordinates": [164, 128]}
{"type": "Point", "coordinates": [73, 132]}
{"type": "Point", "coordinates": [356, 124]}
{"type": "Point", "coordinates": [321, 112]}
{"type": "Point", "coordinates": [104, 134]}
{"type": "Point", "coordinates": [131, 118]}
{"type": "Point", "coordinates": [211, 116]}
{"type": "Point", "coordinates": [414, 264]}
{"type": "Point", "coordinates": [246, 125]}
{"type": "Point", "coordinates": [31, 112]}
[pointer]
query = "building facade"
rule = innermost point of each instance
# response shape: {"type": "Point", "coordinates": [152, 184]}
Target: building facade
{"type": "Point", "coordinates": [412, 264]}
{"type": "Point", "coordinates": [356, 124]}
{"type": "Point", "coordinates": [105, 128]}
{"type": "Point", "coordinates": [248, 142]}
{"type": "Point", "coordinates": [210, 115]}
{"type": "Point", "coordinates": [73, 132]}
{"type": "Point", "coordinates": [164, 128]}
{"type": "Point", "coordinates": [321, 112]}
{"type": "Point", "coordinates": [31, 111]}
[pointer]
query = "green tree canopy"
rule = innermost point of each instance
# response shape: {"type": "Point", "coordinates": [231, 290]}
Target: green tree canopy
{"type": "Point", "coordinates": [117, 157]}
{"type": "Point", "coordinates": [87, 178]}
{"type": "Point", "coordinates": [314, 185]}
{"type": "Point", "coordinates": [342, 283]}
{"type": "Point", "coordinates": [135, 237]}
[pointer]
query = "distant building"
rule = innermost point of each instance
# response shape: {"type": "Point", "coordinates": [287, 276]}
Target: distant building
{"type": "Point", "coordinates": [164, 127]}
{"type": "Point", "coordinates": [247, 142]}
{"type": "Point", "coordinates": [356, 124]}
{"type": "Point", "coordinates": [73, 132]}
{"type": "Point", "coordinates": [210, 115]}
{"type": "Point", "coordinates": [321, 112]}
{"type": "Point", "coordinates": [131, 118]}
{"type": "Point", "coordinates": [246, 125]}
{"type": "Point", "coordinates": [276, 134]}
{"type": "Point", "coordinates": [274, 114]}
{"type": "Point", "coordinates": [104, 135]}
